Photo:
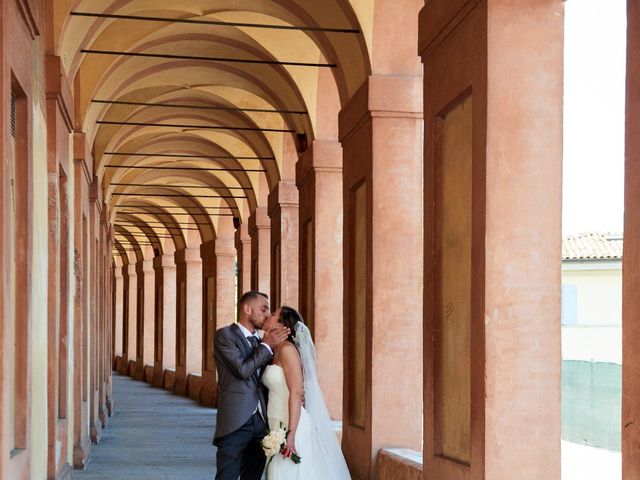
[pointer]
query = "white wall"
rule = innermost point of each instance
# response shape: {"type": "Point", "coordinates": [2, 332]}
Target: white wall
{"type": "Point", "coordinates": [599, 291]}
{"type": "Point", "coordinates": [598, 334]}
{"type": "Point", "coordinates": [593, 344]}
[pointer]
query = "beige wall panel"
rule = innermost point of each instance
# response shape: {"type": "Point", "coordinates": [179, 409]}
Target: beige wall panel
{"type": "Point", "coordinates": [358, 317]}
{"type": "Point", "coordinates": [309, 271]}
{"type": "Point", "coordinates": [453, 376]}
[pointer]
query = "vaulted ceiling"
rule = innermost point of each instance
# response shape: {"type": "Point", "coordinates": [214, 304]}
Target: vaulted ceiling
{"type": "Point", "coordinates": [196, 109]}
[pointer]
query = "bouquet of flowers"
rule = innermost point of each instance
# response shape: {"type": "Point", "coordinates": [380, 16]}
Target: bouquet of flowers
{"type": "Point", "coordinates": [274, 442]}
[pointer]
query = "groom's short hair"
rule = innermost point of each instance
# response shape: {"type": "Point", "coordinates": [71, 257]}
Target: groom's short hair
{"type": "Point", "coordinates": [248, 296]}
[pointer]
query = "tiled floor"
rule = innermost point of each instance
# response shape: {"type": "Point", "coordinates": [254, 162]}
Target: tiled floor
{"type": "Point", "coordinates": [154, 435]}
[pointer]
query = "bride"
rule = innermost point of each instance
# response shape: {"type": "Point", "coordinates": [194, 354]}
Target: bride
{"type": "Point", "coordinates": [292, 380]}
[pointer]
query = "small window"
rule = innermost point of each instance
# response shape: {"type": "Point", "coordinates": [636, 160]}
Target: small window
{"type": "Point", "coordinates": [569, 305]}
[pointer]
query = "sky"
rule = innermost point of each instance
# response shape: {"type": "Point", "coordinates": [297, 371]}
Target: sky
{"type": "Point", "coordinates": [593, 169]}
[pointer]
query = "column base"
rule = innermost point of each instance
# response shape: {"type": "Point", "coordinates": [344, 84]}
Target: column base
{"type": "Point", "coordinates": [81, 454]}
{"type": "Point", "coordinates": [194, 386]}
{"type": "Point", "coordinates": [180, 383]}
{"type": "Point", "coordinates": [95, 431]}
{"type": "Point", "coordinates": [103, 417]}
{"type": "Point", "coordinates": [149, 374]}
{"type": "Point", "coordinates": [208, 390]}
{"type": "Point", "coordinates": [121, 365]}
{"type": "Point", "coordinates": [169, 379]}
{"type": "Point", "coordinates": [65, 472]}
{"type": "Point", "coordinates": [131, 368]}
{"type": "Point", "coordinates": [110, 405]}
{"type": "Point", "coordinates": [158, 376]}
{"type": "Point", "coordinates": [137, 369]}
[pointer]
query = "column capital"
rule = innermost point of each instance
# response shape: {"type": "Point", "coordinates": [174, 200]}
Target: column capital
{"type": "Point", "coordinates": [168, 261]}
{"type": "Point", "coordinates": [59, 89]}
{"type": "Point", "coordinates": [259, 220]}
{"type": "Point", "coordinates": [82, 155]}
{"type": "Point", "coordinates": [284, 194]}
{"type": "Point", "coordinates": [208, 249]}
{"type": "Point", "coordinates": [131, 270]}
{"type": "Point", "coordinates": [147, 266]}
{"type": "Point", "coordinates": [225, 247]}
{"type": "Point", "coordinates": [188, 255]}
{"type": "Point", "coordinates": [321, 156]}
{"type": "Point", "coordinates": [242, 235]}
{"type": "Point", "coordinates": [389, 96]}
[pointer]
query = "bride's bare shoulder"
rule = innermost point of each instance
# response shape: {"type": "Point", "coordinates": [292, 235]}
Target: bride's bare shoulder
{"type": "Point", "coordinates": [288, 352]}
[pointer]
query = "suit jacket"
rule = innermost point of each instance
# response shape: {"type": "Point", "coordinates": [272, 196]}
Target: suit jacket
{"type": "Point", "coordinates": [237, 366]}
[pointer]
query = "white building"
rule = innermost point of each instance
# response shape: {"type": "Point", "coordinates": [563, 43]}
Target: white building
{"type": "Point", "coordinates": [592, 297]}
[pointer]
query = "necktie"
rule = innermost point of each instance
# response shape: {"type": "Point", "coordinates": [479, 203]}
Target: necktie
{"type": "Point", "coordinates": [253, 341]}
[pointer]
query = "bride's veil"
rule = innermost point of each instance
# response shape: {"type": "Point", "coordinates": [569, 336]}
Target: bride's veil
{"type": "Point", "coordinates": [316, 406]}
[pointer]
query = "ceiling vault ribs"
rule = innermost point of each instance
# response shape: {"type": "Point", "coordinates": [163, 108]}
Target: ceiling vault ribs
{"type": "Point", "coordinates": [178, 214]}
{"type": "Point", "coordinates": [143, 224]}
{"type": "Point", "coordinates": [176, 155]}
{"type": "Point", "coordinates": [208, 59]}
{"type": "Point", "coordinates": [171, 207]}
{"type": "Point", "coordinates": [146, 18]}
{"type": "Point", "coordinates": [150, 223]}
{"type": "Point", "coordinates": [177, 195]}
{"type": "Point", "coordinates": [201, 107]}
{"type": "Point", "coordinates": [195, 127]}
{"type": "Point", "coordinates": [159, 185]}
{"type": "Point", "coordinates": [204, 169]}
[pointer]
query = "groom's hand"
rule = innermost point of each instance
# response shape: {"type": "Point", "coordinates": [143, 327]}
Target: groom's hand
{"type": "Point", "coordinates": [276, 336]}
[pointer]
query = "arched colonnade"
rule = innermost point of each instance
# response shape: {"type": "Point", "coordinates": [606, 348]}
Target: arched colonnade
{"type": "Point", "coordinates": [388, 167]}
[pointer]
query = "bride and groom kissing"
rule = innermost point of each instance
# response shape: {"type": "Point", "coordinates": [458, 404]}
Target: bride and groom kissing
{"type": "Point", "coordinates": [268, 384]}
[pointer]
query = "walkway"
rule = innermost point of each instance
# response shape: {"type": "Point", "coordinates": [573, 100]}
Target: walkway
{"type": "Point", "coordinates": [154, 435]}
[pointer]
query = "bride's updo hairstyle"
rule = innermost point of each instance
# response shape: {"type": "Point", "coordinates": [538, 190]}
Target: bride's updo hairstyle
{"type": "Point", "coordinates": [289, 317]}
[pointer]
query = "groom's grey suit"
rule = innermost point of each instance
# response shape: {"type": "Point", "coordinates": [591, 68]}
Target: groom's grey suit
{"type": "Point", "coordinates": [240, 426]}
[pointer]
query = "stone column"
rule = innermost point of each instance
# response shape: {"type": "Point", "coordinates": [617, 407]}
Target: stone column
{"type": "Point", "coordinates": [59, 126]}
{"type": "Point", "coordinates": [208, 387]}
{"type": "Point", "coordinates": [225, 282]}
{"type": "Point", "coordinates": [631, 258]}
{"type": "Point", "coordinates": [106, 359]}
{"type": "Point", "coordinates": [381, 135]}
{"type": "Point", "coordinates": [243, 251]}
{"type": "Point", "coordinates": [118, 320]}
{"type": "Point", "coordinates": [194, 311]}
{"type": "Point", "coordinates": [132, 324]}
{"type": "Point", "coordinates": [189, 313]}
{"type": "Point", "coordinates": [81, 271]}
{"type": "Point", "coordinates": [158, 315]}
{"type": "Point", "coordinates": [319, 180]}
{"type": "Point", "coordinates": [493, 190]}
{"type": "Point", "coordinates": [283, 215]}
{"type": "Point", "coordinates": [259, 230]}
{"type": "Point", "coordinates": [95, 425]}
{"type": "Point", "coordinates": [123, 345]}
{"type": "Point", "coordinates": [146, 357]}
{"type": "Point", "coordinates": [169, 308]}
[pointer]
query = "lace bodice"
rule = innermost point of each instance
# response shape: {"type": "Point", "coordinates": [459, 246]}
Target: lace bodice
{"type": "Point", "coordinates": [278, 404]}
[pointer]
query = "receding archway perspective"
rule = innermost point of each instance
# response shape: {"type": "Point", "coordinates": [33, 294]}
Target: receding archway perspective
{"type": "Point", "coordinates": [392, 169]}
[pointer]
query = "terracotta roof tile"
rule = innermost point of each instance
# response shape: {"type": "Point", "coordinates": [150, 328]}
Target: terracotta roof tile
{"type": "Point", "coordinates": [592, 246]}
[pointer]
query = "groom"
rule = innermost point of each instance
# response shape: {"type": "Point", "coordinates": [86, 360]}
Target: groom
{"type": "Point", "coordinates": [241, 355]}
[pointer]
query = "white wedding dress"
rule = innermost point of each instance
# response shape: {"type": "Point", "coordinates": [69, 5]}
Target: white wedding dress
{"type": "Point", "coordinates": [281, 468]}
{"type": "Point", "coordinates": [321, 458]}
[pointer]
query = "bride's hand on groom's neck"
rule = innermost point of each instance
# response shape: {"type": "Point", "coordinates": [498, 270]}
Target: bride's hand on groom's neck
{"type": "Point", "coordinates": [276, 336]}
